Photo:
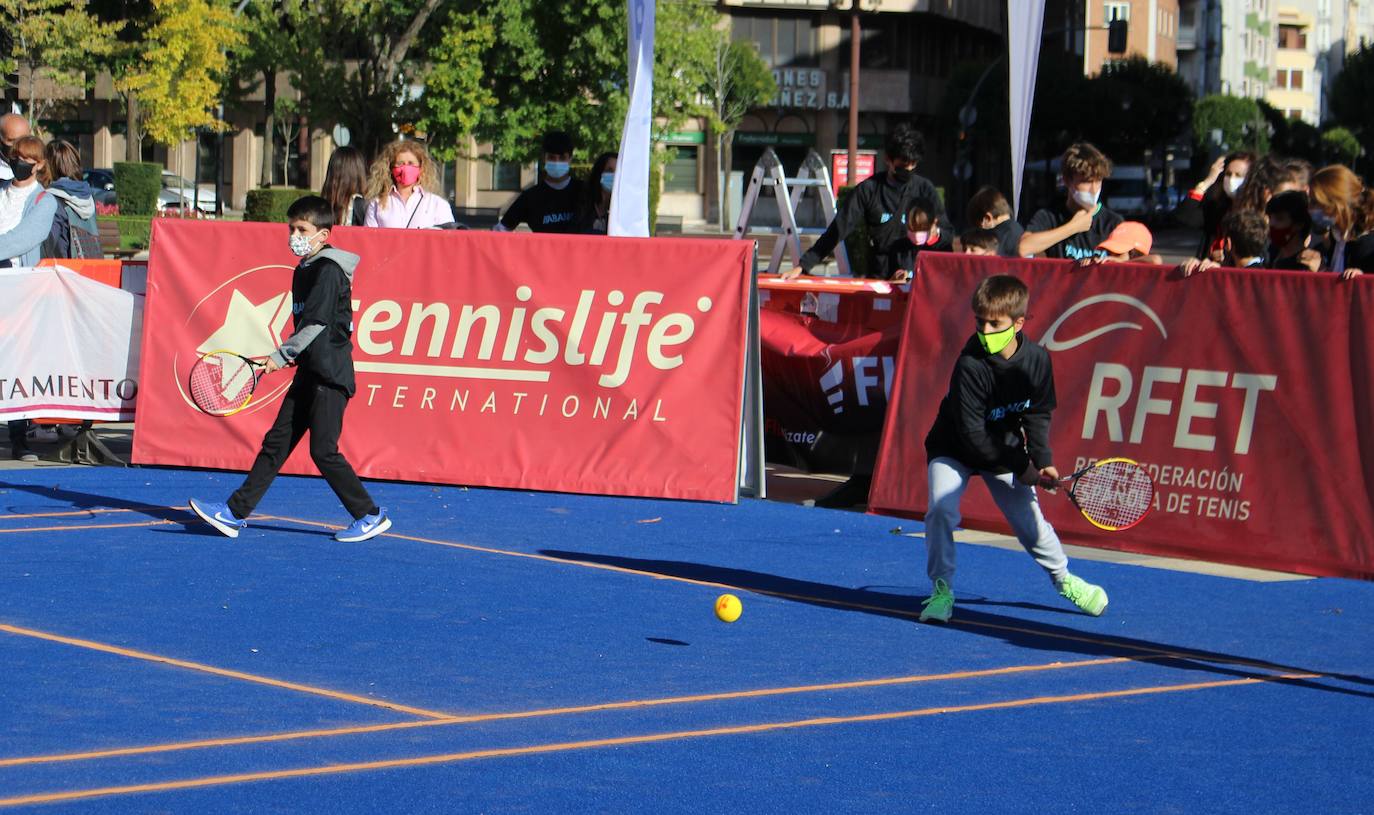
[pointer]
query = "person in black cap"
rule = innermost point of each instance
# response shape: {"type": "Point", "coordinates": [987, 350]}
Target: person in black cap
{"type": "Point", "coordinates": [552, 204]}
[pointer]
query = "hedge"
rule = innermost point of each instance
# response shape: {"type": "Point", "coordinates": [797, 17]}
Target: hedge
{"type": "Point", "coordinates": [134, 230]}
{"type": "Point", "coordinates": [137, 185]}
{"type": "Point", "coordinates": [271, 204]}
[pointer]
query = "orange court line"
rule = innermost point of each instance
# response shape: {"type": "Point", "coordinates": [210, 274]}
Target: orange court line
{"type": "Point", "coordinates": [73, 528]}
{"type": "Point", "coordinates": [446, 758]}
{"type": "Point", "coordinates": [1156, 652]}
{"type": "Point", "coordinates": [88, 512]}
{"type": "Point", "coordinates": [210, 669]}
{"type": "Point", "coordinates": [530, 714]}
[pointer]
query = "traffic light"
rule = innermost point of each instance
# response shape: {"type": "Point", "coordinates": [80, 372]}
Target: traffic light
{"type": "Point", "coordinates": [1116, 37]}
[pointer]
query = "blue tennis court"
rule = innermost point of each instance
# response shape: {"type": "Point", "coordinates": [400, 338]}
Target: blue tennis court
{"type": "Point", "coordinates": [504, 651]}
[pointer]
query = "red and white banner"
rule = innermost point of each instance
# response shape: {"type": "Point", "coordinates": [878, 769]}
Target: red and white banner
{"type": "Point", "coordinates": [550, 362]}
{"type": "Point", "coordinates": [829, 353]}
{"type": "Point", "coordinates": [1248, 395]}
{"type": "Point", "coordinates": [65, 347]}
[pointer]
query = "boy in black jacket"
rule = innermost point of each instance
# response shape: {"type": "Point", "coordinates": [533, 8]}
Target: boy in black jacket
{"type": "Point", "coordinates": [321, 348]}
{"type": "Point", "coordinates": [882, 202]}
{"type": "Point", "coordinates": [995, 421]}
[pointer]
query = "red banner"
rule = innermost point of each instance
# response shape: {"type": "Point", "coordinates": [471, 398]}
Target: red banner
{"type": "Point", "coordinates": [829, 354]}
{"type": "Point", "coordinates": [1248, 395]}
{"type": "Point", "coordinates": [550, 362]}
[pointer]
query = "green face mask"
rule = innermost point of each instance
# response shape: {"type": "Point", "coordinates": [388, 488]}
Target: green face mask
{"type": "Point", "coordinates": [994, 343]}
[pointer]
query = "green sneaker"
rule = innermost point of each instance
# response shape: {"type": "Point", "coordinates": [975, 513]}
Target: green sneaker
{"type": "Point", "coordinates": [1092, 599]}
{"type": "Point", "coordinates": [939, 606]}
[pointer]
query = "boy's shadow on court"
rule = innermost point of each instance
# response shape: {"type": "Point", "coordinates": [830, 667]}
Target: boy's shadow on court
{"type": "Point", "coordinates": [183, 515]}
{"type": "Point", "coordinates": [1014, 631]}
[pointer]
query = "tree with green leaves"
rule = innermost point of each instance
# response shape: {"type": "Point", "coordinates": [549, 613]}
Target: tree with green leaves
{"type": "Point", "coordinates": [1351, 92]}
{"type": "Point", "coordinates": [1136, 105]}
{"type": "Point", "coordinates": [735, 81]}
{"type": "Point", "coordinates": [454, 95]}
{"type": "Point", "coordinates": [178, 78]}
{"type": "Point", "coordinates": [57, 46]}
{"type": "Point", "coordinates": [1229, 123]}
{"type": "Point", "coordinates": [268, 50]}
{"type": "Point", "coordinates": [352, 61]}
{"type": "Point", "coordinates": [1341, 146]}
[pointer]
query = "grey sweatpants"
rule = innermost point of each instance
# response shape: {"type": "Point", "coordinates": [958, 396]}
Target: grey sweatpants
{"type": "Point", "coordinates": [948, 479]}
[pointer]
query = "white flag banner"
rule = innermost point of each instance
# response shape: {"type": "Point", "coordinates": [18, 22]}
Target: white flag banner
{"type": "Point", "coordinates": [630, 194]}
{"type": "Point", "coordinates": [1025, 21]}
{"type": "Point", "coordinates": [68, 347]}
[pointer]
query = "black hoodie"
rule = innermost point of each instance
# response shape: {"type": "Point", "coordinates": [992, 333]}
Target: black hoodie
{"type": "Point", "coordinates": [996, 416]}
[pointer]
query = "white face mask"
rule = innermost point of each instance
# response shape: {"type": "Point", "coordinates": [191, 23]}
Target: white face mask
{"type": "Point", "coordinates": [1232, 185]}
{"type": "Point", "coordinates": [1085, 200]}
{"type": "Point", "coordinates": [302, 245]}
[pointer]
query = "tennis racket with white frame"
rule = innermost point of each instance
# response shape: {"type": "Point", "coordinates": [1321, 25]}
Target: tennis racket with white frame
{"type": "Point", "coordinates": [1114, 494]}
{"type": "Point", "coordinates": [222, 382]}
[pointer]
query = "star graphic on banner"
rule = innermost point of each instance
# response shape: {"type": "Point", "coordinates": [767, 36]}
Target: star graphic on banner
{"type": "Point", "coordinates": [251, 329]}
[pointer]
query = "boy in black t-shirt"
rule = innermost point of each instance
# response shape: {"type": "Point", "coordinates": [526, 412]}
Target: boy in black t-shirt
{"type": "Point", "coordinates": [988, 209]}
{"type": "Point", "coordinates": [1076, 227]}
{"type": "Point", "coordinates": [995, 422]}
{"type": "Point", "coordinates": [321, 349]}
{"type": "Point", "coordinates": [552, 204]}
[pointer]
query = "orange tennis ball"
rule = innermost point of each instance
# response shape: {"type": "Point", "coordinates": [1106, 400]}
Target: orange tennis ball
{"type": "Point", "coordinates": [728, 608]}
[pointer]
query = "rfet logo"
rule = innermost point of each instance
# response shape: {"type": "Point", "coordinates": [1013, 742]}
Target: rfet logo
{"type": "Point", "coordinates": [247, 315]}
{"type": "Point", "coordinates": [1194, 411]}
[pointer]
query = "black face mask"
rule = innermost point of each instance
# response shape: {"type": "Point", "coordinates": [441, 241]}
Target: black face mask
{"type": "Point", "coordinates": [901, 174]}
{"type": "Point", "coordinates": [22, 169]}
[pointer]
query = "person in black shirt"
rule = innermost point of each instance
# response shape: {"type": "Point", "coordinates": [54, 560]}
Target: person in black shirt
{"type": "Point", "coordinates": [1345, 208]}
{"type": "Point", "coordinates": [1290, 234]}
{"type": "Point", "coordinates": [995, 421]}
{"type": "Point", "coordinates": [595, 216]}
{"type": "Point", "coordinates": [1075, 227]}
{"type": "Point", "coordinates": [553, 203]}
{"type": "Point", "coordinates": [988, 209]}
{"type": "Point", "coordinates": [882, 202]}
{"type": "Point", "coordinates": [321, 349]}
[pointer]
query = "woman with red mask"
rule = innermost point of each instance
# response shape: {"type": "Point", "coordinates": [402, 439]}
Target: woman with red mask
{"type": "Point", "coordinates": [403, 186]}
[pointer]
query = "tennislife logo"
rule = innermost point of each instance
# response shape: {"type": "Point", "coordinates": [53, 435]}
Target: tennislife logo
{"type": "Point", "coordinates": [518, 339]}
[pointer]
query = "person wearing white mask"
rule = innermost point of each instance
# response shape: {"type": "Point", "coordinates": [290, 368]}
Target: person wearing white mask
{"type": "Point", "coordinates": [1076, 227]}
{"type": "Point", "coordinates": [552, 204]}
{"type": "Point", "coordinates": [1209, 202]}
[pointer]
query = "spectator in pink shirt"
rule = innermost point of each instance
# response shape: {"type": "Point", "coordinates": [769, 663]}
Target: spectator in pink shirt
{"type": "Point", "coordinates": [403, 187]}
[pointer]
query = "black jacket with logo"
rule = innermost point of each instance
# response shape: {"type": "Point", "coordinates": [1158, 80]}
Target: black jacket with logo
{"type": "Point", "coordinates": [996, 416]}
{"type": "Point", "coordinates": [883, 206]}
{"type": "Point", "coordinates": [321, 343]}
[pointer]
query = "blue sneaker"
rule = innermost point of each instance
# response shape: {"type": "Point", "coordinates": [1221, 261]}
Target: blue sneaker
{"type": "Point", "coordinates": [368, 526]}
{"type": "Point", "coordinates": [218, 516]}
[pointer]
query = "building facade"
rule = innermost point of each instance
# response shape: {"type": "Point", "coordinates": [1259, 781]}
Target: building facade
{"type": "Point", "coordinates": [908, 50]}
{"type": "Point", "coordinates": [1152, 31]}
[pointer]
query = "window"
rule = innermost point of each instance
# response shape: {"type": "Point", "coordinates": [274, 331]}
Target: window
{"type": "Point", "coordinates": [1295, 114]}
{"type": "Point", "coordinates": [682, 171]}
{"type": "Point", "coordinates": [1292, 37]}
{"type": "Point", "coordinates": [1281, 78]}
{"type": "Point", "coordinates": [503, 176]}
{"type": "Point", "coordinates": [781, 41]}
{"type": "Point", "coordinates": [1288, 79]}
{"type": "Point", "coordinates": [1295, 80]}
{"type": "Point", "coordinates": [1116, 11]}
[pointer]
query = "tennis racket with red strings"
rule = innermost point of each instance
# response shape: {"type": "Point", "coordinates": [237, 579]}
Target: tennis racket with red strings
{"type": "Point", "coordinates": [222, 382]}
{"type": "Point", "coordinates": [1113, 494]}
